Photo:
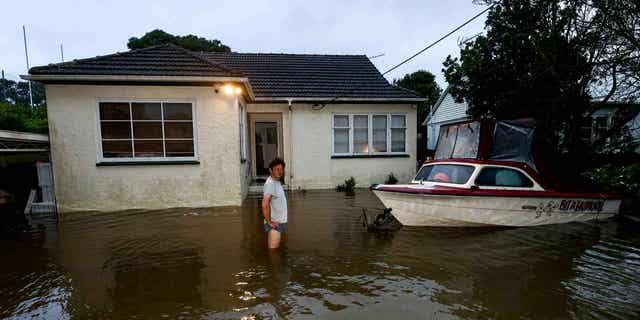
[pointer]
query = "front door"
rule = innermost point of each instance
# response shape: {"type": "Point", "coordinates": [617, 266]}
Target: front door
{"type": "Point", "coordinates": [266, 146]}
{"type": "Point", "coordinates": [265, 142]}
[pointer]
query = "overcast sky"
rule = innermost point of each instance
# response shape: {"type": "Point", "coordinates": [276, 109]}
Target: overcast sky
{"type": "Point", "coordinates": [88, 28]}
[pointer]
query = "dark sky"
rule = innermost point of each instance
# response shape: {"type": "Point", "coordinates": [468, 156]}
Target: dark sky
{"type": "Point", "coordinates": [88, 28]}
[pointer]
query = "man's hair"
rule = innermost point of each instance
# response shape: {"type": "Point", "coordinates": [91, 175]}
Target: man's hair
{"type": "Point", "coordinates": [276, 162]}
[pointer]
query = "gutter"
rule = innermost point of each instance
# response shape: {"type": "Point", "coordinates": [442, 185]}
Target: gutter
{"type": "Point", "coordinates": [334, 99]}
{"type": "Point", "coordinates": [139, 78]}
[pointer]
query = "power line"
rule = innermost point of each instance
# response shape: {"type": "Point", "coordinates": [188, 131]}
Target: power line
{"type": "Point", "coordinates": [436, 42]}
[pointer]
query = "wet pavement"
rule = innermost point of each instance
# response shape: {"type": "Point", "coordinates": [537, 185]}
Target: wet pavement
{"type": "Point", "coordinates": [213, 264]}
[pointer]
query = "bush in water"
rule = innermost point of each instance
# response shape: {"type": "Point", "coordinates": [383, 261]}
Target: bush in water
{"type": "Point", "coordinates": [348, 186]}
{"type": "Point", "coordinates": [391, 179]}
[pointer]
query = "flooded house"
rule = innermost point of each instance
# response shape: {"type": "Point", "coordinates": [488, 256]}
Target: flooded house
{"type": "Point", "coordinates": [167, 127]}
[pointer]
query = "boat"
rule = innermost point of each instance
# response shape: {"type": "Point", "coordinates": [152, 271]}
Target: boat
{"type": "Point", "coordinates": [485, 173]}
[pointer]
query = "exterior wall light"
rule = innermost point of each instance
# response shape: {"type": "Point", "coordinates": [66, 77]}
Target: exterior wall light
{"type": "Point", "coordinates": [230, 89]}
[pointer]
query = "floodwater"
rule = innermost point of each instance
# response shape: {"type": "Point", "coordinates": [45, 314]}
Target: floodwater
{"type": "Point", "coordinates": [212, 264]}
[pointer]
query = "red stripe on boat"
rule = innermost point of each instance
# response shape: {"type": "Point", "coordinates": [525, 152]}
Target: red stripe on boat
{"type": "Point", "coordinates": [452, 191]}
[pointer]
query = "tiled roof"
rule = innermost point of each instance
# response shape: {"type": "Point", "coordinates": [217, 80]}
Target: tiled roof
{"type": "Point", "coordinates": [277, 75]}
{"type": "Point", "coordinates": [271, 75]}
{"type": "Point", "coordinates": [163, 60]}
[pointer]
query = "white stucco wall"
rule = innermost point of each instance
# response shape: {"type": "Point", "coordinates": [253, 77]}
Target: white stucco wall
{"type": "Point", "coordinates": [310, 132]}
{"type": "Point", "coordinates": [81, 185]}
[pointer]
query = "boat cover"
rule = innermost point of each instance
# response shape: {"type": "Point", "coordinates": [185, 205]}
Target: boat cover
{"type": "Point", "coordinates": [503, 140]}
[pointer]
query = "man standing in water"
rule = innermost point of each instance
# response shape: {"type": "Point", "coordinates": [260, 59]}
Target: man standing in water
{"type": "Point", "coordinates": [274, 204]}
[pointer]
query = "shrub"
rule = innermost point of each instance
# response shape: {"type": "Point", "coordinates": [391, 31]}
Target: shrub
{"type": "Point", "coordinates": [391, 179]}
{"type": "Point", "coordinates": [624, 179]}
{"type": "Point", "coordinates": [348, 186]}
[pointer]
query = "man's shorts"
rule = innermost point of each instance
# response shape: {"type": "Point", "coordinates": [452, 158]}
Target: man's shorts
{"type": "Point", "coordinates": [279, 228]}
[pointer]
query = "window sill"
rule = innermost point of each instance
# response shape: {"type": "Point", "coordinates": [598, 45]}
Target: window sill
{"type": "Point", "coordinates": [145, 163]}
{"type": "Point", "coordinates": [357, 156]}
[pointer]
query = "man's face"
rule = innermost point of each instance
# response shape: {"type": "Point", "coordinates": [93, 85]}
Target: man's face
{"type": "Point", "coordinates": [277, 171]}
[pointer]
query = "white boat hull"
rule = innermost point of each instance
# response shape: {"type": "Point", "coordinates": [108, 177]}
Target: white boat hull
{"type": "Point", "coordinates": [413, 209]}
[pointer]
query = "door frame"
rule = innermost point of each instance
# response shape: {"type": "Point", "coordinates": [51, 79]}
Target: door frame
{"type": "Point", "coordinates": [263, 117]}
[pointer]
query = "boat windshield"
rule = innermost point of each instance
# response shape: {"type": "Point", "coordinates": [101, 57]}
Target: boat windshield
{"type": "Point", "coordinates": [448, 173]}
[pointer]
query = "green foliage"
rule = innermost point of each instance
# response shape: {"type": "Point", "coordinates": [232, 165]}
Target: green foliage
{"type": "Point", "coordinates": [348, 186]}
{"type": "Point", "coordinates": [21, 117]}
{"type": "Point", "coordinates": [18, 92]}
{"type": "Point", "coordinates": [424, 84]}
{"type": "Point", "coordinates": [618, 179]}
{"type": "Point", "coordinates": [541, 59]}
{"type": "Point", "coordinates": [191, 42]}
{"type": "Point", "coordinates": [391, 179]}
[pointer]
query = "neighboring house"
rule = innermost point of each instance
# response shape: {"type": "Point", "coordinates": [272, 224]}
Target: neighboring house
{"type": "Point", "coordinates": [445, 111]}
{"type": "Point", "coordinates": [167, 127]}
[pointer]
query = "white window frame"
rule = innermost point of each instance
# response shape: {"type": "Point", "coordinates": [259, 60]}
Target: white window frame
{"type": "Point", "coordinates": [405, 132]}
{"type": "Point", "coordinates": [102, 159]}
{"type": "Point", "coordinates": [351, 131]}
{"type": "Point", "coordinates": [333, 133]}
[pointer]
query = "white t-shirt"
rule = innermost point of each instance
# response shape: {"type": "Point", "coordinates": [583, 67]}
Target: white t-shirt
{"type": "Point", "coordinates": [278, 200]}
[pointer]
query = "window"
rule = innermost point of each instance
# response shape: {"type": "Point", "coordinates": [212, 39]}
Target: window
{"type": "Point", "coordinates": [242, 120]}
{"type": "Point", "coordinates": [601, 126]}
{"type": "Point", "coordinates": [379, 133]}
{"type": "Point", "coordinates": [146, 130]}
{"type": "Point", "coordinates": [503, 177]}
{"type": "Point", "coordinates": [447, 173]}
{"type": "Point", "coordinates": [361, 133]}
{"type": "Point", "coordinates": [369, 133]}
{"type": "Point", "coordinates": [341, 129]}
{"type": "Point", "coordinates": [398, 133]}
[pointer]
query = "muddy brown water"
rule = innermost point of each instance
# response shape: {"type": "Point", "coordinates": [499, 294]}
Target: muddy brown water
{"type": "Point", "coordinates": [212, 264]}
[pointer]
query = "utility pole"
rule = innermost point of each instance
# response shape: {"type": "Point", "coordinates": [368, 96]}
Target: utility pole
{"type": "Point", "coordinates": [26, 55]}
{"type": "Point", "coordinates": [61, 53]}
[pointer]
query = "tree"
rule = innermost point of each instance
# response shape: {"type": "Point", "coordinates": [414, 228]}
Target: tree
{"type": "Point", "coordinates": [191, 42]}
{"type": "Point", "coordinates": [424, 84]}
{"type": "Point", "coordinates": [545, 59]}
{"type": "Point", "coordinates": [18, 92]}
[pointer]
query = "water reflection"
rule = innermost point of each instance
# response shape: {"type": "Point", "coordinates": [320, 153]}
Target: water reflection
{"type": "Point", "coordinates": [213, 263]}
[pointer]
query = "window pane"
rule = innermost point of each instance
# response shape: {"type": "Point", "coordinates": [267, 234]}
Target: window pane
{"type": "Point", "coordinates": [178, 130]}
{"type": "Point", "coordinates": [146, 111]}
{"type": "Point", "coordinates": [397, 140]}
{"type": "Point", "coordinates": [115, 130]}
{"type": "Point", "coordinates": [147, 130]}
{"type": "Point", "coordinates": [341, 140]}
{"type": "Point", "coordinates": [448, 173]}
{"type": "Point", "coordinates": [502, 177]}
{"type": "Point", "coordinates": [361, 134]}
{"type": "Point", "coordinates": [177, 111]}
{"type": "Point", "coordinates": [116, 149]}
{"type": "Point", "coordinates": [467, 141]}
{"type": "Point", "coordinates": [398, 121]}
{"type": "Point", "coordinates": [341, 121]}
{"type": "Point", "coordinates": [379, 133]}
{"type": "Point", "coordinates": [179, 148]}
{"type": "Point", "coordinates": [114, 111]}
{"type": "Point", "coordinates": [148, 148]}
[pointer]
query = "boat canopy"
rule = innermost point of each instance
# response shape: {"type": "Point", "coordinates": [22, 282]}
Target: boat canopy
{"type": "Point", "coordinates": [488, 140]}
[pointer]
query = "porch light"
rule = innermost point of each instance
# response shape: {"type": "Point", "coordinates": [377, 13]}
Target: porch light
{"type": "Point", "coordinates": [230, 89]}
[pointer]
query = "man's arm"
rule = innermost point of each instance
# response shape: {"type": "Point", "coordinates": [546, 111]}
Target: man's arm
{"type": "Point", "coordinates": [266, 209]}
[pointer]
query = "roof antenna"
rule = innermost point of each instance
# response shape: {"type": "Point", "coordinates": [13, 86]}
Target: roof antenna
{"type": "Point", "coordinates": [26, 55]}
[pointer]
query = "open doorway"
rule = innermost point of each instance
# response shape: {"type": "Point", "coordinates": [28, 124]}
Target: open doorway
{"type": "Point", "coordinates": [266, 142]}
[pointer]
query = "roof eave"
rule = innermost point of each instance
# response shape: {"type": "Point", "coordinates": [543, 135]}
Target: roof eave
{"type": "Point", "coordinates": [139, 78]}
{"type": "Point", "coordinates": [334, 99]}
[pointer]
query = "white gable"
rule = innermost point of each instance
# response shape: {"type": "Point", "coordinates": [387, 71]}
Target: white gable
{"type": "Point", "coordinates": [445, 111]}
